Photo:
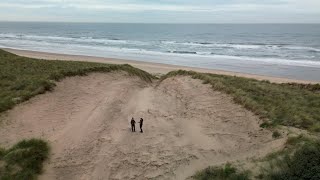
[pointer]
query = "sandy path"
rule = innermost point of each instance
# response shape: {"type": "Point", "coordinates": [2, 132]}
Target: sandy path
{"type": "Point", "coordinates": [86, 120]}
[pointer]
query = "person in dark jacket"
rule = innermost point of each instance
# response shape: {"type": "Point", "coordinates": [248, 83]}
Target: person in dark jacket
{"type": "Point", "coordinates": [141, 124]}
{"type": "Point", "coordinates": [133, 125]}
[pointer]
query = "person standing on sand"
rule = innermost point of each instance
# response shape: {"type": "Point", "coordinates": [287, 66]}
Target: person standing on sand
{"type": "Point", "coordinates": [133, 125]}
{"type": "Point", "coordinates": [141, 123]}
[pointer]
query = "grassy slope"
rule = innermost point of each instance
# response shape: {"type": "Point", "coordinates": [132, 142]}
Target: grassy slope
{"type": "Point", "coordinates": [286, 104]}
{"type": "Point", "coordinates": [22, 78]}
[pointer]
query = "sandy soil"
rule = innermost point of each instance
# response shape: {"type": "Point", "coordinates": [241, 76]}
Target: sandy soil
{"type": "Point", "coordinates": [187, 126]}
{"type": "Point", "coordinates": [153, 68]}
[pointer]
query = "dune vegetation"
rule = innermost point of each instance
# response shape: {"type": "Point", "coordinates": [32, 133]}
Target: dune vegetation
{"type": "Point", "coordinates": [22, 78]}
{"type": "Point", "coordinates": [298, 160]}
{"type": "Point", "coordinates": [24, 160]}
{"type": "Point", "coordinates": [228, 172]}
{"type": "Point", "coordinates": [286, 104]}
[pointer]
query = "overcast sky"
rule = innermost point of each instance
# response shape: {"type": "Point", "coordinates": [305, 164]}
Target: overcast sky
{"type": "Point", "coordinates": [162, 11]}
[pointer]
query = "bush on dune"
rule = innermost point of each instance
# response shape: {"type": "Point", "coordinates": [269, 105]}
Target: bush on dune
{"type": "Point", "coordinates": [24, 160]}
{"type": "Point", "coordinates": [226, 173]}
{"type": "Point", "coordinates": [276, 134]}
{"type": "Point", "coordinates": [304, 164]}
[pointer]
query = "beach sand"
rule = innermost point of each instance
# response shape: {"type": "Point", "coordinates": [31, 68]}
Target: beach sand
{"type": "Point", "coordinates": [153, 68]}
{"type": "Point", "coordinates": [86, 119]}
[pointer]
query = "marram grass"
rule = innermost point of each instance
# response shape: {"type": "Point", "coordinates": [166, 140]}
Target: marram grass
{"type": "Point", "coordinates": [24, 160]}
{"type": "Point", "coordinates": [287, 104]}
{"type": "Point", "coordinates": [22, 78]}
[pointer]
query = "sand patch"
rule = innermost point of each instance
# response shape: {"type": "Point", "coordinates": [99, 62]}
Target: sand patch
{"type": "Point", "coordinates": [187, 126]}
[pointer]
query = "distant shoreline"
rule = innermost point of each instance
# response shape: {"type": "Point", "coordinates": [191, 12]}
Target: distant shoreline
{"type": "Point", "coordinates": [154, 68]}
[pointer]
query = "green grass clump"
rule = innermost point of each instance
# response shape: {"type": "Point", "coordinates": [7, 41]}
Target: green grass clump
{"type": "Point", "coordinates": [276, 134]}
{"type": "Point", "coordinates": [221, 173]}
{"type": "Point", "coordinates": [293, 143]}
{"type": "Point", "coordinates": [286, 104]}
{"type": "Point", "coordinates": [24, 160]}
{"type": "Point", "coordinates": [2, 152]}
{"type": "Point", "coordinates": [303, 164]}
{"type": "Point", "coordinates": [22, 78]}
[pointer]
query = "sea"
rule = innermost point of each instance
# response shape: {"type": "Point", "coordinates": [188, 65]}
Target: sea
{"type": "Point", "coordinates": [280, 50]}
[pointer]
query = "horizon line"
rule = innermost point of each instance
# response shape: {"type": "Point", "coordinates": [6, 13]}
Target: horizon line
{"type": "Point", "coordinates": [5, 21]}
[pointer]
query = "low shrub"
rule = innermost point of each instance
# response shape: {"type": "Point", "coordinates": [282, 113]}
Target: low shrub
{"type": "Point", "coordinates": [221, 173]}
{"type": "Point", "coordinates": [276, 134]}
{"type": "Point", "coordinates": [304, 164]}
{"type": "Point", "coordinates": [23, 161]}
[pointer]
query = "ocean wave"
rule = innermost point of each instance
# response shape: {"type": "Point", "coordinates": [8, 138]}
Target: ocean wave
{"type": "Point", "coordinates": [84, 39]}
{"type": "Point", "coordinates": [311, 49]}
{"type": "Point", "coordinates": [106, 51]}
{"type": "Point", "coordinates": [191, 52]}
{"type": "Point", "coordinates": [216, 45]}
{"type": "Point", "coordinates": [183, 52]}
{"type": "Point", "coordinates": [211, 56]}
{"type": "Point", "coordinates": [282, 54]}
{"type": "Point", "coordinates": [168, 44]}
{"type": "Point", "coordinates": [307, 63]}
{"type": "Point", "coordinates": [262, 46]}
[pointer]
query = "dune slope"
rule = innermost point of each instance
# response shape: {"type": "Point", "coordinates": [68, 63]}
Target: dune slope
{"type": "Point", "coordinates": [187, 126]}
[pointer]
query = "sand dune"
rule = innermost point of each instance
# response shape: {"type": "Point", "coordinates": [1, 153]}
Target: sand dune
{"type": "Point", "coordinates": [187, 127]}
